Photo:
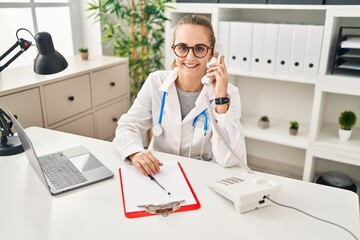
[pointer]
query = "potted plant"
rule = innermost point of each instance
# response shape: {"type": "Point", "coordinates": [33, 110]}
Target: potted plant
{"type": "Point", "coordinates": [294, 127]}
{"type": "Point", "coordinates": [84, 53]}
{"type": "Point", "coordinates": [347, 120]}
{"type": "Point", "coordinates": [264, 122]}
{"type": "Point", "coordinates": [134, 29]}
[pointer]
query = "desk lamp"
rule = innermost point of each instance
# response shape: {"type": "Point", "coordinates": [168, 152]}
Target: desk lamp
{"type": "Point", "coordinates": [48, 61]}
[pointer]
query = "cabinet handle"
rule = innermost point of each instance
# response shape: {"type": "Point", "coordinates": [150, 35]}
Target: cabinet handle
{"type": "Point", "coordinates": [112, 84]}
{"type": "Point", "coordinates": [269, 61]}
{"type": "Point", "coordinates": [282, 62]}
{"type": "Point", "coordinates": [71, 98]}
{"type": "Point", "coordinates": [297, 64]}
{"type": "Point", "coordinates": [311, 65]}
{"type": "Point", "coordinates": [114, 119]}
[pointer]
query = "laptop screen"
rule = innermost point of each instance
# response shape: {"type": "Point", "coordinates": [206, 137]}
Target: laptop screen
{"type": "Point", "coordinates": [28, 148]}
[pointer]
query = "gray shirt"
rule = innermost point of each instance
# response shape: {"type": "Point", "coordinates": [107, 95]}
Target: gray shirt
{"type": "Point", "coordinates": [187, 101]}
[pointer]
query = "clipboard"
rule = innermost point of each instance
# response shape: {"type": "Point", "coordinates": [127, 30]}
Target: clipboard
{"type": "Point", "coordinates": [143, 197]}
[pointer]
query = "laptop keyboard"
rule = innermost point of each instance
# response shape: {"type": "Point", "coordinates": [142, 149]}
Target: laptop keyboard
{"type": "Point", "coordinates": [61, 171]}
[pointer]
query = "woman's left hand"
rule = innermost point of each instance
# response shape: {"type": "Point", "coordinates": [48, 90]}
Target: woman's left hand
{"type": "Point", "coordinates": [220, 84]}
{"type": "Point", "coordinates": [219, 72]}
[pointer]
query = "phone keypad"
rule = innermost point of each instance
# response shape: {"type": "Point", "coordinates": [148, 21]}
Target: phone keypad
{"type": "Point", "coordinates": [230, 180]}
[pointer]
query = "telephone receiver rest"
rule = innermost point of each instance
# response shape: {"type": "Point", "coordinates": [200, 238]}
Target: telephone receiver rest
{"type": "Point", "coordinates": [218, 53]}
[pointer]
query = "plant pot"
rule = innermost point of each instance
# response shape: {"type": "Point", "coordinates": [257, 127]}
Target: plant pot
{"type": "Point", "coordinates": [344, 135]}
{"type": "Point", "coordinates": [264, 124]}
{"type": "Point", "coordinates": [293, 131]}
{"type": "Point", "coordinates": [84, 55]}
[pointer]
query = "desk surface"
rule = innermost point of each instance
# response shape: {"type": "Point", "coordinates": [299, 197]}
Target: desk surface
{"type": "Point", "coordinates": [28, 211]}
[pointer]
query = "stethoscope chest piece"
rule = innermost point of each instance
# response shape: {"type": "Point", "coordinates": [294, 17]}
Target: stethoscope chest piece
{"type": "Point", "coordinates": [157, 130]}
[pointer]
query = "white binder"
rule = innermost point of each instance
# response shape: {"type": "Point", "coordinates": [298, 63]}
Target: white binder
{"type": "Point", "coordinates": [245, 44]}
{"type": "Point", "coordinates": [240, 45]}
{"type": "Point", "coordinates": [234, 54]}
{"type": "Point", "coordinates": [224, 39]}
{"type": "Point", "coordinates": [270, 48]}
{"type": "Point", "coordinates": [298, 50]}
{"type": "Point", "coordinates": [284, 49]}
{"type": "Point", "coordinates": [257, 51]}
{"type": "Point", "coordinates": [313, 51]}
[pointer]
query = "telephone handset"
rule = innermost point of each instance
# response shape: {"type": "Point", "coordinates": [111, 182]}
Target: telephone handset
{"type": "Point", "coordinates": [218, 53]}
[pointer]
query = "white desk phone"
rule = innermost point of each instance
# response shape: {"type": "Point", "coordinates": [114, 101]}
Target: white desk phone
{"type": "Point", "coordinates": [246, 191]}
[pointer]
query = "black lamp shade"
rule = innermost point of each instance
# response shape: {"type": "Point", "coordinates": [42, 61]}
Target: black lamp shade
{"type": "Point", "coordinates": [48, 61]}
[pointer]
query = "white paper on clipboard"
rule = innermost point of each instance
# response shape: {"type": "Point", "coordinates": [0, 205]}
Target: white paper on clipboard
{"type": "Point", "coordinates": [141, 190]}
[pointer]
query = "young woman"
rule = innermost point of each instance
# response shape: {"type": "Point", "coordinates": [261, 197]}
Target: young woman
{"type": "Point", "coordinates": [173, 104]}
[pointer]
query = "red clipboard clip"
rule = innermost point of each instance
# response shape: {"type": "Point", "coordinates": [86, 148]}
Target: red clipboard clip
{"type": "Point", "coordinates": [163, 209]}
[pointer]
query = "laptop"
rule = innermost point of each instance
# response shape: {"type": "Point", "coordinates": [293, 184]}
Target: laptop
{"type": "Point", "coordinates": [64, 170]}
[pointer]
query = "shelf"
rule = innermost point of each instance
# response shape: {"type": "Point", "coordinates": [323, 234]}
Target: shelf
{"type": "Point", "coordinates": [187, 6]}
{"type": "Point", "coordinates": [340, 83]}
{"type": "Point", "coordinates": [278, 132]}
{"type": "Point", "coordinates": [272, 77]}
{"type": "Point", "coordinates": [329, 141]}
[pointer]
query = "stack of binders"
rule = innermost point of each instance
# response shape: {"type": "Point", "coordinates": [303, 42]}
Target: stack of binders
{"type": "Point", "coordinates": [347, 51]}
{"type": "Point", "coordinates": [271, 49]}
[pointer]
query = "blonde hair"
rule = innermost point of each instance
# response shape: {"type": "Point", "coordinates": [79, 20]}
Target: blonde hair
{"type": "Point", "coordinates": [195, 19]}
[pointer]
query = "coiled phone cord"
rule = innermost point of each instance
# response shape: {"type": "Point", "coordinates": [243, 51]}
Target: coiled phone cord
{"type": "Point", "coordinates": [221, 136]}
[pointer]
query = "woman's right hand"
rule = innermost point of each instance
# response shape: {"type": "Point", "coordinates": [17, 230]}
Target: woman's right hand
{"type": "Point", "coordinates": [146, 162]}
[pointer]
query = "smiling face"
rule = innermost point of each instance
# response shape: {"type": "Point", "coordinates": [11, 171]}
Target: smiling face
{"type": "Point", "coordinates": [192, 68]}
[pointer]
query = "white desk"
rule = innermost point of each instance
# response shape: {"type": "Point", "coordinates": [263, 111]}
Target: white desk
{"type": "Point", "coordinates": [28, 211]}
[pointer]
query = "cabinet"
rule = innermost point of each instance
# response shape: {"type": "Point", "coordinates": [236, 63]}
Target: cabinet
{"type": "Point", "coordinates": [314, 100]}
{"type": "Point", "coordinates": [86, 99]}
{"type": "Point", "coordinates": [28, 110]}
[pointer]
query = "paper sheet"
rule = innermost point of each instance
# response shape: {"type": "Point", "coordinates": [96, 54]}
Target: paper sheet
{"type": "Point", "coordinates": [141, 190]}
{"type": "Point", "coordinates": [351, 42]}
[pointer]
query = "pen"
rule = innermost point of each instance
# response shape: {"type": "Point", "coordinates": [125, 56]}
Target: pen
{"type": "Point", "coordinates": [153, 179]}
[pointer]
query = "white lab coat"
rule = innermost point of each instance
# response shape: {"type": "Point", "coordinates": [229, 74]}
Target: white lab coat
{"type": "Point", "coordinates": [177, 133]}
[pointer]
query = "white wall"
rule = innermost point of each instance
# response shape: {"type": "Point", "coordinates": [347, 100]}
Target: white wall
{"type": "Point", "coordinates": [91, 31]}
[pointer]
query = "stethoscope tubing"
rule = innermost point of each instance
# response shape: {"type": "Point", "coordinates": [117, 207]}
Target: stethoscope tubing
{"type": "Point", "coordinates": [162, 108]}
{"type": "Point", "coordinates": [206, 119]}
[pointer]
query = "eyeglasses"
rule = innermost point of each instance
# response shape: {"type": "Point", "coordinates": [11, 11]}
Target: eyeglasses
{"type": "Point", "coordinates": [182, 50]}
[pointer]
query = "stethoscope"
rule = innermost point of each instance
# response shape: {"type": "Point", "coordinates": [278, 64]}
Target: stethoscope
{"type": "Point", "coordinates": [157, 129]}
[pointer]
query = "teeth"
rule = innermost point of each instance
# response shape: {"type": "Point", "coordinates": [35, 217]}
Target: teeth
{"type": "Point", "coordinates": [190, 65]}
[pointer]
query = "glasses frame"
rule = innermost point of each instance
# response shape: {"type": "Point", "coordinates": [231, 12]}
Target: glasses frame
{"type": "Point", "coordinates": [192, 48]}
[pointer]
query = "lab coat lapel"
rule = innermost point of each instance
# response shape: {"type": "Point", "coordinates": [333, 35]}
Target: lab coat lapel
{"type": "Point", "coordinates": [172, 106]}
{"type": "Point", "coordinates": [169, 82]}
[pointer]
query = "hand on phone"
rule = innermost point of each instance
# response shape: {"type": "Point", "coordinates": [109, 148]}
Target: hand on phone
{"type": "Point", "coordinates": [218, 53]}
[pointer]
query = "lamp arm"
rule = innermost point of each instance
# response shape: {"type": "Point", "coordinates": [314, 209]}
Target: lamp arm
{"type": "Point", "coordinates": [24, 44]}
{"type": "Point", "coordinates": [10, 50]}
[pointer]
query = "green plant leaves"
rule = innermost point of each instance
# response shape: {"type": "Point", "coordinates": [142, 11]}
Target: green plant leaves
{"type": "Point", "coordinates": [347, 120]}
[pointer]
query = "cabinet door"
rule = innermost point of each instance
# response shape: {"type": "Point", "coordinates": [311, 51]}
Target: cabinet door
{"type": "Point", "coordinates": [83, 126]}
{"type": "Point", "coordinates": [67, 98]}
{"type": "Point", "coordinates": [108, 117]}
{"type": "Point", "coordinates": [110, 83]}
{"type": "Point", "coordinates": [26, 106]}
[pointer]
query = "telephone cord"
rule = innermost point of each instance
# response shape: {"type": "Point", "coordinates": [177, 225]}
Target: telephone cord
{"type": "Point", "coordinates": [221, 136]}
{"type": "Point", "coordinates": [317, 218]}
